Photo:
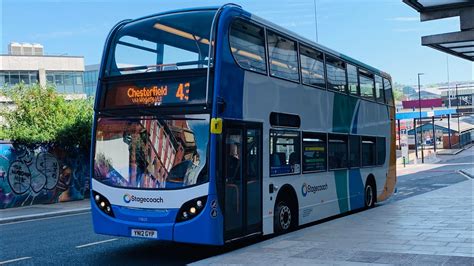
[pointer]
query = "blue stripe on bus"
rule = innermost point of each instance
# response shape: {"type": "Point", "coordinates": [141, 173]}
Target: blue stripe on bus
{"type": "Point", "coordinates": [356, 119]}
{"type": "Point", "coordinates": [229, 77]}
{"type": "Point", "coordinates": [356, 188]}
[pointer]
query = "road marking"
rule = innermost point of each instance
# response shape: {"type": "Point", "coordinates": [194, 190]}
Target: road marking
{"type": "Point", "coordinates": [463, 174]}
{"type": "Point", "coordinates": [13, 260]}
{"type": "Point", "coordinates": [97, 243]}
{"type": "Point", "coordinates": [45, 218]}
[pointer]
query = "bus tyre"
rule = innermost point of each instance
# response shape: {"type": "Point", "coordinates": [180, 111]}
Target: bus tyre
{"type": "Point", "coordinates": [284, 219]}
{"type": "Point", "coordinates": [370, 194]}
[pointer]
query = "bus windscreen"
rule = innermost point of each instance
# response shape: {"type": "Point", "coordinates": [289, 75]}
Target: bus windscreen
{"type": "Point", "coordinates": [162, 43]}
{"type": "Point", "coordinates": [152, 153]}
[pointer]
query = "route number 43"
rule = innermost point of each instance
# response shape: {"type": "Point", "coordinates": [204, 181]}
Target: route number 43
{"type": "Point", "coordinates": [182, 93]}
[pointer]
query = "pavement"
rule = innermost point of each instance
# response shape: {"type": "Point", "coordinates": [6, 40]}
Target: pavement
{"type": "Point", "coordinates": [431, 228]}
{"type": "Point", "coordinates": [43, 210]}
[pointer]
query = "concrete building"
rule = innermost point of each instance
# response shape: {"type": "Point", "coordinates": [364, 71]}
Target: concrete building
{"type": "Point", "coordinates": [91, 76]}
{"type": "Point", "coordinates": [459, 96]}
{"type": "Point", "coordinates": [27, 63]}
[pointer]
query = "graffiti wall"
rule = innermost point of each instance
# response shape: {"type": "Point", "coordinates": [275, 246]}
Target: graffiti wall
{"type": "Point", "coordinates": [41, 175]}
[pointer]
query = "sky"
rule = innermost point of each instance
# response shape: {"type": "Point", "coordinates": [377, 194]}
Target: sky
{"type": "Point", "coordinates": [385, 34]}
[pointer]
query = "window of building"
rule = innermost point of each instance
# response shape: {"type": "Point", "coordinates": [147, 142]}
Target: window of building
{"type": "Point", "coordinates": [368, 151]}
{"type": "Point", "coordinates": [312, 67]}
{"type": "Point", "coordinates": [388, 92]}
{"type": "Point", "coordinates": [379, 93]}
{"type": "Point", "coordinates": [352, 79]}
{"type": "Point", "coordinates": [336, 74]}
{"type": "Point", "coordinates": [284, 152]}
{"type": "Point", "coordinates": [354, 151]}
{"type": "Point", "coordinates": [366, 84]}
{"type": "Point", "coordinates": [68, 82]}
{"type": "Point", "coordinates": [337, 151]}
{"type": "Point", "coordinates": [247, 43]}
{"type": "Point", "coordinates": [282, 56]}
{"type": "Point", "coordinates": [314, 152]}
{"type": "Point", "coordinates": [3, 79]}
{"type": "Point", "coordinates": [14, 78]}
{"type": "Point", "coordinates": [381, 150]}
{"type": "Point", "coordinates": [11, 78]}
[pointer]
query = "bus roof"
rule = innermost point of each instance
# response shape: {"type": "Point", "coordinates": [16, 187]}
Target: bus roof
{"type": "Point", "coordinates": [278, 28]}
{"type": "Point", "coordinates": [319, 46]}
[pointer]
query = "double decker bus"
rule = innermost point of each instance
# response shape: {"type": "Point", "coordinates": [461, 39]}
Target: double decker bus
{"type": "Point", "coordinates": [212, 124]}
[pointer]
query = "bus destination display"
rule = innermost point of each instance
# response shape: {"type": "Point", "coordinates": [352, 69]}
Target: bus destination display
{"type": "Point", "coordinates": [153, 93]}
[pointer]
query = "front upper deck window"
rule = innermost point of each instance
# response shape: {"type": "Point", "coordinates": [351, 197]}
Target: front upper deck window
{"type": "Point", "coordinates": [162, 43]}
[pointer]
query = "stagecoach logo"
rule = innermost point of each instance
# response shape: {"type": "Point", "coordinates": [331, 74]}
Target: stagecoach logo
{"type": "Point", "coordinates": [305, 189]}
{"type": "Point", "coordinates": [127, 198]}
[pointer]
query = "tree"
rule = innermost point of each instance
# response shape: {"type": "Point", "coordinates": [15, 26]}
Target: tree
{"type": "Point", "coordinates": [398, 95]}
{"type": "Point", "coordinates": [42, 116]}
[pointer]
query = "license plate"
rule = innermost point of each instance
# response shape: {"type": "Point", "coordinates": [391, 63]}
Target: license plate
{"type": "Point", "coordinates": [144, 233]}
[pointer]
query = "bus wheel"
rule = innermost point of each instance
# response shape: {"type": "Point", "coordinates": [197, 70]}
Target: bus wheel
{"type": "Point", "coordinates": [284, 219]}
{"type": "Point", "coordinates": [369, 198]}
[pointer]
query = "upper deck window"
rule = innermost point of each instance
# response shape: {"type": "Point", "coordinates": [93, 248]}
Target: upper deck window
{"type": "Point", "coordinates": [388, 91]}
{"type": "Point", "coordinates": [366, 84]}
{"type": "Point", "coordinates": [379, 94]}
{"type": "Point", "coordinates": [283, 57]}
{"type": "Point", "coordinates": [312, 67]}
{"type": "Point", "coordinates": [336, 71]}
{"type": "Point", "coordinates": [247, 43]}
{"type": "Point", "coordinates": [352, 79]}
{"type": "Point", "coordinates": [162, 43]}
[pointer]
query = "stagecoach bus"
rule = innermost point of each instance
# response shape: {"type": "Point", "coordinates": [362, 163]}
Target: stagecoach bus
{"type": "Point", "coordinates": [212, 124]}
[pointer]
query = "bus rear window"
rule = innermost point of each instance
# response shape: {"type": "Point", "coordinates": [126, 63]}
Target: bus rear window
{"type": "Point", "coordinates": [163, 43]}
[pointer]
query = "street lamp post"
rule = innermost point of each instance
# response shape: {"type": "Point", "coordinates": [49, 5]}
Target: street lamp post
{"type": "Point", "coordinates": [457, 109]}
{"type": "Point", "coordinates": [421, 124]}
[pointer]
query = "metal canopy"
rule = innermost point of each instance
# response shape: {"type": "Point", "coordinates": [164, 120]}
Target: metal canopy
{"type": "Point", "coordinates": [459, 43]}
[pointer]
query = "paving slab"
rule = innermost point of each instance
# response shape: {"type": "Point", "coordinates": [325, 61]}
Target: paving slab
{"type": "Point", "coordinates": [401, 232]}
{"type": "Point", "coordinates": [43, 211]}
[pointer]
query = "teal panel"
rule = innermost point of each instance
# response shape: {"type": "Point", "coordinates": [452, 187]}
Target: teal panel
{"type": "Point", "coordinates": [341, 190]}
{"type": "Point", "coordinates": [343, 110]}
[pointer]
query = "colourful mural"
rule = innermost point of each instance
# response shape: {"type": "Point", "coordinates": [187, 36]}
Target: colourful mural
{"type": "Point", "coordinates": [42, 175]}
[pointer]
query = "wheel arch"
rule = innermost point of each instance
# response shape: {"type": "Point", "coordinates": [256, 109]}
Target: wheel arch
{"type": "Point", "coordinates": [288, 193]}
{"type": "Point", "coordinates": [371, 180]}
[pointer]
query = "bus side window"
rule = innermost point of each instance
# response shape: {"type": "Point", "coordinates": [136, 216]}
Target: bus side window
{"type": "Point", "coordinates": [284, 152]}
{"type": "Point", "coordinates": [336, 74]}
{"type": "Point", "coordinates": [366, 84]}
{"type": "Point", "coordinates": [314, 152]}
{"type": "Point", "coordinates": [247, 44]}
{"type": "Point", "coordinates": [354, 151]}
{"type": "Point", "coordinates": [353, 80]}
{"type": "Point", "coordinates": [379, 93]}
{"type": "Point", "coordinates": [388, 92]}
{"type": "Point", "coordinates": [312, 67]}
{"type": "Point", "coordinates": [368, 151]}
{"type": "Point", "coordinates": [337, 151]}
{"type": "Point", "coordinates": [381, 150]}
{"type": "Point", "coordinates": [282, 57]}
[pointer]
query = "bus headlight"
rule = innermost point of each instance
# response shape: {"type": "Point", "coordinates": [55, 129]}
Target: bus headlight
{"type": "Point", "coordinates": [103, 203]}
{"type": "Point", "coordinates": [191, 209]}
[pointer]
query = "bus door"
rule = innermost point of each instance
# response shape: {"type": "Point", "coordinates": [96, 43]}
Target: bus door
{"type": "Point", "coordinates": [242, 173]}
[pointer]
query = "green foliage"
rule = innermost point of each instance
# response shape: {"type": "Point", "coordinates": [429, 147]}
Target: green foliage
{"type": "Point", "coordinates": [398, 95]}
{"type": "Point", "coordinates": [42, 116]}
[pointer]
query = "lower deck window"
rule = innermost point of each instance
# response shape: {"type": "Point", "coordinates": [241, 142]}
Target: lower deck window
{"type": "Point", "coordinates": [380, 150]}
{"type": "Point", "coordinates": [284, 152]}
{"type": "Point", "coordinates": [337, 151]}
{"type": "Point", "coordinates": [368, 151]}
{"type": "Point", "coordinates": [314, 152]}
